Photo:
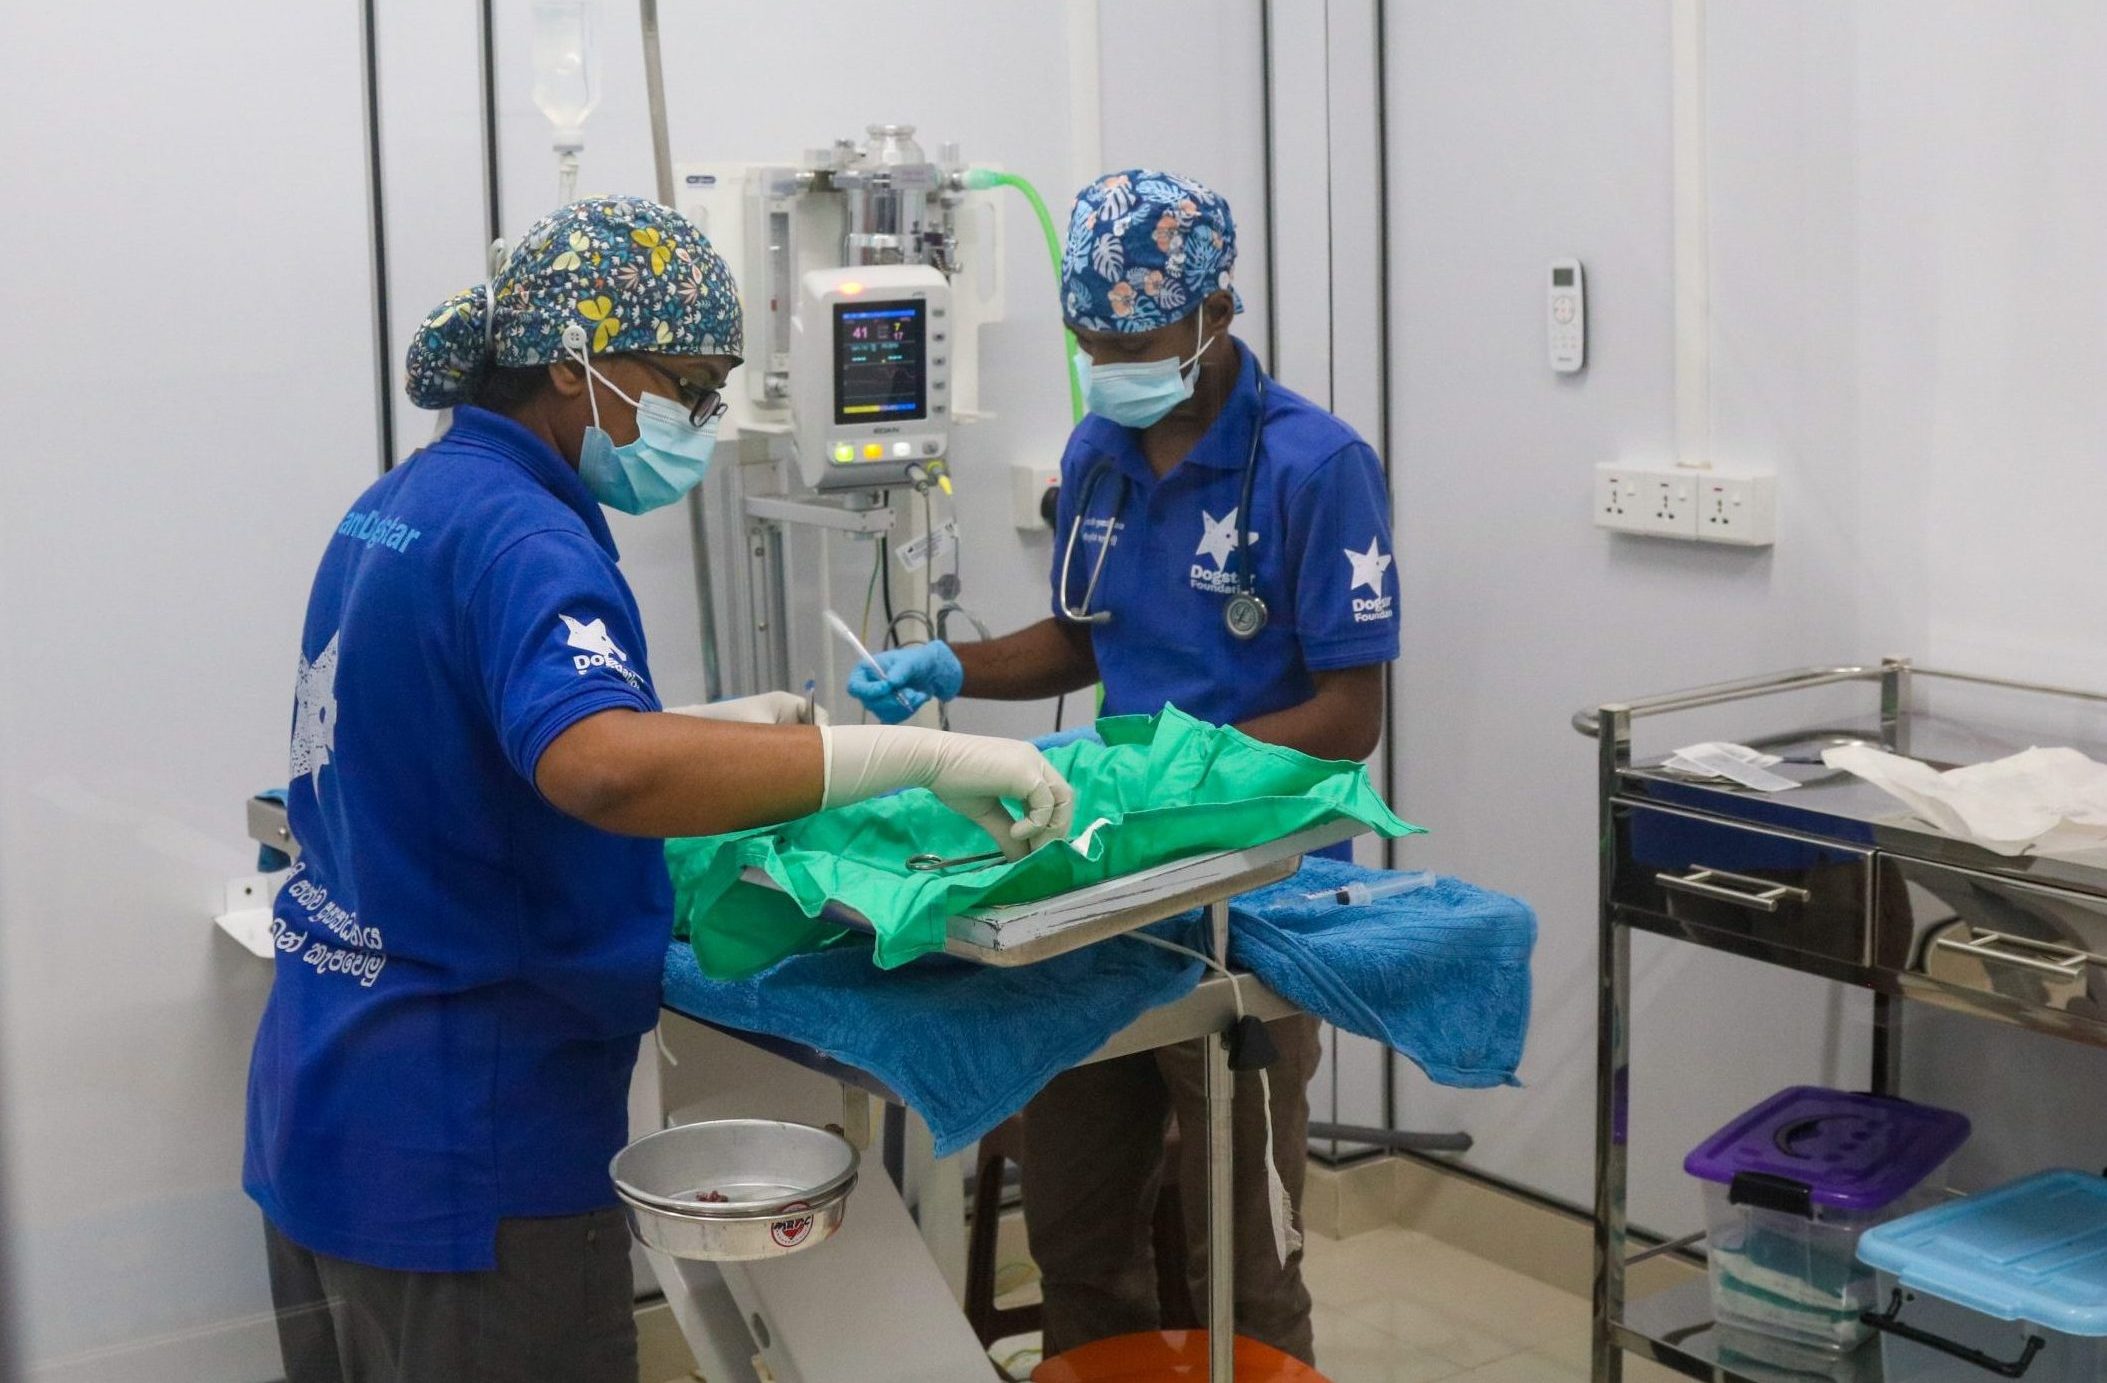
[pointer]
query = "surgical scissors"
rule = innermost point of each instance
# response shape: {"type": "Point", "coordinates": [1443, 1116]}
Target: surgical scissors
{"type": "Point", "coordinates": [937, 864]}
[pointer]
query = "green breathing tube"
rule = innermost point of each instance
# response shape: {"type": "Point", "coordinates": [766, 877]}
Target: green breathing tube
{"type": "Point", "coordinates": [982, 179]}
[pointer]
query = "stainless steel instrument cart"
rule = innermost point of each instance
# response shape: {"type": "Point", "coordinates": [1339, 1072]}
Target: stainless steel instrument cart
{"type": "Point", "coordinates": [1830, 879]}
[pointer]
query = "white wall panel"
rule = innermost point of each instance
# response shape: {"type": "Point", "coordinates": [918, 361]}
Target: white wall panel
{"type": "Point", "coordinates": [188, 379]}
{"type": "Point", "coordinates": [1519, 133]}
{"type": "Point", "coordinates": [1905, 208]}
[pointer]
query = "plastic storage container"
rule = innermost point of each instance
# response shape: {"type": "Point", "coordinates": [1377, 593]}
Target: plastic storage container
{"type": "Point", "coordinates": [2008, 1284]}
{"type": "Point", "coordinates": [1789, 1187]}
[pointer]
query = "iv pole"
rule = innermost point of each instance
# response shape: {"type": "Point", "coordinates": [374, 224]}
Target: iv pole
{"type": "Point", "coordinates": [698, 522]}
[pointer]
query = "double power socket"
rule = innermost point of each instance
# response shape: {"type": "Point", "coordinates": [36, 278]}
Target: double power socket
{"type": "Point", "coordinates": [1705, 506]}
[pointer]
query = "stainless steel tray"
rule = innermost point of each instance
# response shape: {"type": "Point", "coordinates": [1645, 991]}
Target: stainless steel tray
{"type": "Point", "coordinates": [1023, 934]}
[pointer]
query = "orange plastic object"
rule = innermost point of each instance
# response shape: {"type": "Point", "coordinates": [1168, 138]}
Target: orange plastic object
{"type": "Point", "coordinates": [1169, 1356]}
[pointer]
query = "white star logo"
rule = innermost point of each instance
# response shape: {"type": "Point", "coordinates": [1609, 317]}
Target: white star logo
{"type": "Point", "coordinates": [593, 638]}
{"type": "Point", "coordinates": [1368, 568]}
{"type": "Point", "coordinates": [1218, 538]}
{"type": "Point", "coordinates": [315, 713]}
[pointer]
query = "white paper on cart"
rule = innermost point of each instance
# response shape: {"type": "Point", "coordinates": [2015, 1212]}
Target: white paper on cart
{"type": "Point", "coordinates": [2045, 800]}
{"type": "Point", "coordinates": [1736, 763]}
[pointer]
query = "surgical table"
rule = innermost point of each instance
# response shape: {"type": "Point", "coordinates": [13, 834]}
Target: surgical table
{"type": "Point", "coordinates": [832, 1314]}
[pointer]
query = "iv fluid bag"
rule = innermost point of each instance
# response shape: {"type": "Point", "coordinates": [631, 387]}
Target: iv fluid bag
{"type": "Point", "coordinates": [566, 61]}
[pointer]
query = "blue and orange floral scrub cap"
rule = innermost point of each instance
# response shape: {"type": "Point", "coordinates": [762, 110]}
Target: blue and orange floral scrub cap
{"type": "Point", "coordinates": [1145, 249]}
{"type": "Point", "coordinates": [636, 276]}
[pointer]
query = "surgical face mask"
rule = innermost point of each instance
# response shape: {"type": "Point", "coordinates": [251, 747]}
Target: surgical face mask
{"type": "Point", "coordinates": [1140, 395]}
{"type": "Point", "coordinates": [668, 458]}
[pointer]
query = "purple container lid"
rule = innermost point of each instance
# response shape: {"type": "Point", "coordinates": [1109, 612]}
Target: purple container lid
{"type": "Point", "coordinates": [1849, 1152]}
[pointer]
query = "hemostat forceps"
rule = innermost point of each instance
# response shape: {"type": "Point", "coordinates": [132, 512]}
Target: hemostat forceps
{"type": "Point", "coordinates": [937, 864]}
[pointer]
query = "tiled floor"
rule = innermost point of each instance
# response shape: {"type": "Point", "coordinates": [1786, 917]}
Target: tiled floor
{"type": "Point", "coordinates": [1394, 1306]}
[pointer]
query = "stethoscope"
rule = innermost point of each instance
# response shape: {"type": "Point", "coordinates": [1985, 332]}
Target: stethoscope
{"type": "Point", "coordinates": [1245, 614]}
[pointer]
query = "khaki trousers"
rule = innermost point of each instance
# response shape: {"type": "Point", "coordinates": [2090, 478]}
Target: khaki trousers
{"type": "Point", "coordinates": [1094, 1163]}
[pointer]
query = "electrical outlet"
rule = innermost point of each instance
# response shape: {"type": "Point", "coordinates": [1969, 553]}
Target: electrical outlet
{"type": "Point", "coordinates": [1738, 509]}
{"type": "Point", "coordinates": [1029, 483]}
{"type": "Point", "coordinates": [1657, 501]}
{"type": "Point", "coordinates": [1616, 497]}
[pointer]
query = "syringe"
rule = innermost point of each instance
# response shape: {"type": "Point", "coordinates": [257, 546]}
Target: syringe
{"type": "Point", "coordinates": [1359, 891]}
{"type": "Point", "coordinates": [848, 636]}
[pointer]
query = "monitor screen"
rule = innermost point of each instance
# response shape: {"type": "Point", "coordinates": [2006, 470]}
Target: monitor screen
{"type": "Point", "coordinates": [1561, 278]}
{"type": "Point", "coordinates": [881, 369]}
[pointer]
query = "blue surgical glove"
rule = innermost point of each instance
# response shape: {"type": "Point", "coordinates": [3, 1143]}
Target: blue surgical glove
{"type": "Point", "coordinates": [1081, 734]}
{"type": "Point", "coordinates": [917, 673]}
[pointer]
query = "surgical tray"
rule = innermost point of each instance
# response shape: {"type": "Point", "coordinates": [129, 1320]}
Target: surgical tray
{"type": "Point", "coordinates": [1021, 933]}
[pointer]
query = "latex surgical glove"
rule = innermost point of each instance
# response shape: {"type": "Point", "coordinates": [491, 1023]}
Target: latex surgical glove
{"type": "Point", "coordinates": [1081, 734]}
{"type": "Point", "coordinates": [769, 708]}
{"type": "Point", "coordinates": [971, 774]}
{"type": "Point", "coordinates": [918, 673]}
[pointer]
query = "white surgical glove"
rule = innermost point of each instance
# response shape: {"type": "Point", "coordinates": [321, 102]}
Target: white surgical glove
{"type": "Point", "coordinates": [970, 774]}
{"type": "Point", "coordinates": [769, 708]}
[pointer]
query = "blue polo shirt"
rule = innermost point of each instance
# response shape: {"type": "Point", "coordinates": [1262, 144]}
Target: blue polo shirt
{"type": "Point", "coordinates": [463, 972]}
{"type": "Point", "coordinates": [1319, 548]}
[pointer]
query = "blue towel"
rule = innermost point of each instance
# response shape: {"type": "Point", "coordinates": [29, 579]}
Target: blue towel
{"type": "Point", "coordinates": [965, 1045]}
{"type": "Point", "coordinates": [1442, 975]}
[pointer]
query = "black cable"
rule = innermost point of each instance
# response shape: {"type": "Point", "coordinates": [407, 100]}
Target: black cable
{"type": "Point", "coordinates": [885, 579]}
{"type": "Point", "coordinates": [1060, 710]}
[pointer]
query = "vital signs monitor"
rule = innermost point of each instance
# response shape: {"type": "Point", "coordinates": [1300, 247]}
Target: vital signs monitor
{"type": "Point", "coordinates": [870, 374]}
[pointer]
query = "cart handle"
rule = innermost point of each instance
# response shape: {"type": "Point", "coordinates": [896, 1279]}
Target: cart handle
{"type": "Point", "coordinates": [1589, 721]}
{"type": "Point", "coordinates": [1890, 1322]}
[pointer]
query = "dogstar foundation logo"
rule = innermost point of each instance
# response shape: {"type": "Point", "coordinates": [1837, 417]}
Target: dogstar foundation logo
{"type": "Point", "coordinates": [597, 649]}
{"type": "Point", "coordinates": [315, 713]}
{"type": "Point", "coordinates": [1368, 569]}
{"type": "Point", "coordinates": [1217, 542]}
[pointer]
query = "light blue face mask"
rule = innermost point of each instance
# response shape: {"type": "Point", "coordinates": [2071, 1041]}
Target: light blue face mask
{"type": "Point", "coordinates": [668, 458]}
{"type": "Point", "coordinates": [1141, 394]}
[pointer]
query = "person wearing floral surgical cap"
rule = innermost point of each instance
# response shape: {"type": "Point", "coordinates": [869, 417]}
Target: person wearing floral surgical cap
{"type": "Point", "coordinates": [482, 773]}
{"type": "Point", "coordinates": [1221, 544]}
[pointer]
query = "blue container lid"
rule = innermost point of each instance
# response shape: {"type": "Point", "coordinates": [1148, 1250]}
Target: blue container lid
{"type": "Point", "coordinates": [1808, 1146]}
{"type": "Point", "coordinates": [2035, 1250]}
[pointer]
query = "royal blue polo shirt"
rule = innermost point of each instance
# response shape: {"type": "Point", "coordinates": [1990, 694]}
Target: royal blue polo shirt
{"type": "Point", "coordinates": [1319, 547]}
{"type": "Point", "coordinates": [463, 972]}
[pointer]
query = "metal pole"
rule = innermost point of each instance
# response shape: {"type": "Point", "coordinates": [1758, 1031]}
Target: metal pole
{"type": "Point", "coordinates": [1894, 704]}
{"type": "Point", "coordinates": [655, 91]}
{"type": "Point", "coordinates": [493, 206]}
{"type": "Point", "coordinates": [698, 521]}
{"type": "Point", "coordinates": [384, 390]}
{"type": "Point", "coordinates": [1612, 1059]}
{"type": "Point", "coordinates": [1382, 346]}
{"type": "Point", "coordinates": [1221, 1182]}
{"type": "Point", "coordinates": [1265, 94]}
{"type": "Point", "coordinates": [1887, 1044]}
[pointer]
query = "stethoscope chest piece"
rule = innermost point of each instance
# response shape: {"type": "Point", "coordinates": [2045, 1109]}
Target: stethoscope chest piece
{"type": "Point", "coordinates": [1245, 614]}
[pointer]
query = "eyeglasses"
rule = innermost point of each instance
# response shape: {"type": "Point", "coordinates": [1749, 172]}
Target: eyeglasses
{"type": "Point", "coordinates": [702, 404]}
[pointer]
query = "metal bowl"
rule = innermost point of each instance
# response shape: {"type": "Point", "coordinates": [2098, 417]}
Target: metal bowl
{"type": "Point", "coordinates": [785, 1188]}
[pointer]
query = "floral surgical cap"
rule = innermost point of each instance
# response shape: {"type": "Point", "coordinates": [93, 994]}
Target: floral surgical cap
{"type": "Point", "coordinates": [634, 275]}
{"type": "Point", "coordinates": [1145, 248]}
